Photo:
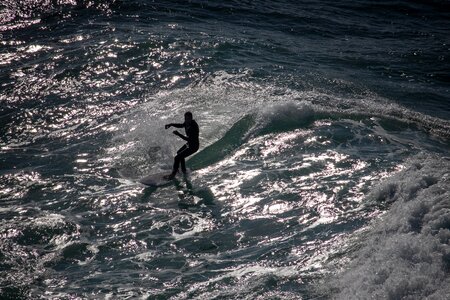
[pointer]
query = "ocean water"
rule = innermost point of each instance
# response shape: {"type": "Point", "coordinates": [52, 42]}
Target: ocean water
{"type": "Point", "coordinates": [323, 170]}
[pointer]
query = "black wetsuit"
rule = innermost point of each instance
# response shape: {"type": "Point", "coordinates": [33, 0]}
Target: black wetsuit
{"type": "Point", "coordinates": [192, 132]}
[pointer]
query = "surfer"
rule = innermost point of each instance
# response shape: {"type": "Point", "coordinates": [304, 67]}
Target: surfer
{"type": "Point", "coordinates": [192, 132]}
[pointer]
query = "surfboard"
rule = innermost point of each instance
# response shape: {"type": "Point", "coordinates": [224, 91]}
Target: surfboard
{"type": "Point", "coordinates": [156, 179]}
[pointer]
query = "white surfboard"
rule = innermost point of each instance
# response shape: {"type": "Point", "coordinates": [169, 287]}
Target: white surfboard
{"type": "Point", "coordinates": [156, 179]}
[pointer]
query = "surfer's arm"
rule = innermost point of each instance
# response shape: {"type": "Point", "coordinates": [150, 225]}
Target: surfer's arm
{"type": "Point", "coordinates": [181, 136]}
{"type": "Point", "coordinates": [177, 125]}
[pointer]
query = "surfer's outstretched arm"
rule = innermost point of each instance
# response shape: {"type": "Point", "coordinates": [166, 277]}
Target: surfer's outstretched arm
{"type": "Point", "coordinates": [177, 125]}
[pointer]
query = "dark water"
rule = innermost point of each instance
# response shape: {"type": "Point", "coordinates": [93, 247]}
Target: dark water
{"type": "Point", "coordinates": [323, 171]}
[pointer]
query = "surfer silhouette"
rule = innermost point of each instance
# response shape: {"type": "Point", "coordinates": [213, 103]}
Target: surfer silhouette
{"type": "Point", "coordinates": [192, 132]}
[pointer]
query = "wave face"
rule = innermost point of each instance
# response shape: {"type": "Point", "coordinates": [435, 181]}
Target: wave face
{"type": "Point", "coordinates": [322, 173]}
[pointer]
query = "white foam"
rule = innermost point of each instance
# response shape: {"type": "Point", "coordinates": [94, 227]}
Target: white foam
{"type": "Point", "coordinates": [405, 254]}
{"type": "Point", "coordinates": [143, 146]}
{"type": "Point", "coordinates": [284, 114]}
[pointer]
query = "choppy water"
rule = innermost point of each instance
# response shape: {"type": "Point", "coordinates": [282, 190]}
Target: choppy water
{"type": "Point", "coordinates": [323, 171]}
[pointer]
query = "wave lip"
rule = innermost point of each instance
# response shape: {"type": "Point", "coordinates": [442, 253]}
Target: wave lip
{"type": "Point", "coordinates": [406, 253]}
{"type": "Point", "coordinates": [283, 117]}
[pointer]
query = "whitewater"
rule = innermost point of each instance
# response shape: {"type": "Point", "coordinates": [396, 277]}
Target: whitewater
{"type": "Point", "coordinates": [323, 170]}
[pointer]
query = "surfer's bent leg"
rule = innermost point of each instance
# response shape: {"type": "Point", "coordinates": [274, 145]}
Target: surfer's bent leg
{"type": "Point", "coordinates": [183, 165]}
{"type": "Point", "coordinates": [180, 158]}
{"type": "Point", "coordinates": [177, 160]}
{"type": "Point", "coordinates": [182, 149]}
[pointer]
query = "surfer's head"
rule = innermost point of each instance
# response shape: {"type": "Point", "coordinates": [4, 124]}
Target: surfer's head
{"type": "Point", "coordinates": [188, 117]}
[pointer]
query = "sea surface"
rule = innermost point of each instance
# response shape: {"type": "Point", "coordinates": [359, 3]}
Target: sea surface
{"type": "Point", "coordinates": [323, 170]}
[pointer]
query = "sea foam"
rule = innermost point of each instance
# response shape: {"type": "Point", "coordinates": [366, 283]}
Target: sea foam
{"type": "Point", "coordinates": [405, 254]}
